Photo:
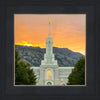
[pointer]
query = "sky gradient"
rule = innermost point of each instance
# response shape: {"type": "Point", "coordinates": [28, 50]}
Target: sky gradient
{"type": "Point", "coordinates": [67, 30]}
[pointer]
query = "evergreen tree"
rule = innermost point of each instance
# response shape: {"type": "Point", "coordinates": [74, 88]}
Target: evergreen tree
{"type": "Point", "coordinates": [23, 74]}
{"type": "Point", "coordinates": [77, 77]}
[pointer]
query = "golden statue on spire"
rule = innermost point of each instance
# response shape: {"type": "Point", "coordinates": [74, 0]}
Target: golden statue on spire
{"type": "Point", "coordinates": [49, 21]}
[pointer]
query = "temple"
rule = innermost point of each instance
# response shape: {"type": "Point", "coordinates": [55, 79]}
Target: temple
{"type": "Point", "coordinates": [49, 73]}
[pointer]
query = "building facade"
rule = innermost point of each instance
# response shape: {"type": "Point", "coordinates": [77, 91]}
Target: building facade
{"type": "Point", "coordinates": [49, 73]}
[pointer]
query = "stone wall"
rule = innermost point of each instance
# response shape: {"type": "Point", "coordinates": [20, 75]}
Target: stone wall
{"type": "Point", "coordinates": [62, 74]}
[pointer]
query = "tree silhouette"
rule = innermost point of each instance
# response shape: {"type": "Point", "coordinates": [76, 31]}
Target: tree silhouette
{"type": "Point", "coordinates": [23, 74]}
{"type": "Point", "coordinates": [77, 77]}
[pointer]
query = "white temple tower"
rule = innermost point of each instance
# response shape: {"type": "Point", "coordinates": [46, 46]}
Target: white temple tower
{"type": "Point", "coordinates": [49, 66]}
{"type": "Point", "coordinates": [49, 58]}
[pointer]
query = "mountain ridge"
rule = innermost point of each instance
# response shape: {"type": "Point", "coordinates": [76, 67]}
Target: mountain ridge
{"type": "Point", "coordinates": [34, 55]}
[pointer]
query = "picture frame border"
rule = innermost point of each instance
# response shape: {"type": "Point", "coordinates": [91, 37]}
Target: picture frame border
{"type": "Point", "coordinates": [9, 91]}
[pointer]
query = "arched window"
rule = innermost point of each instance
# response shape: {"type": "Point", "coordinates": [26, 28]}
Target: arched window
{"type": "Point", "coordinates": [49, 74]}
{"type": "Point", "coordinates": [49, 83]}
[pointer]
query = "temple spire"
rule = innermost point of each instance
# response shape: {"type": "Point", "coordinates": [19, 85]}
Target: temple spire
{"type": "Point", "coordinates": [49, 27]}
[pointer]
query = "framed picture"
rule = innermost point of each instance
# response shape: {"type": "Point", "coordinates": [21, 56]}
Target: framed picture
{"type": "Point", "coordinates": [35, 61]}
{"type": "Point", "coordinates": [50, 52]}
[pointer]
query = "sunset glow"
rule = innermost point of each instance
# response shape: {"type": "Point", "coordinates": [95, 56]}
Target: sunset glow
{"type": "Point", "coordinates": [24, 43]}
{"type": "Point", "coordinates": [67, 30]}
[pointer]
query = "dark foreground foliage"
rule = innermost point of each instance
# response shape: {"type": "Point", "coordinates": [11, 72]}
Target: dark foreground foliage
{"type": "Point", "coordinates": [23, 74]}
{"type": "Point", "coordinates": [77, 77]}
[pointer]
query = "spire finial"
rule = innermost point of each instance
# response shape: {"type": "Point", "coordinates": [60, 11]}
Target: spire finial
{"type": "Point", "coordinates": [49, 21]}
{"type": "Point", "coordinates": [49, 27]}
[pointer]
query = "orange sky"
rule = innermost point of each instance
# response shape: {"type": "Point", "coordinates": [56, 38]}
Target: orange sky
{"type": "Point", "coordinates": [67, 30]}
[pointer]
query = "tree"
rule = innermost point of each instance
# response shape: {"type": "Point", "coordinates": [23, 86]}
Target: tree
{"type": "Point", "coordinates": [23, 74]}
{"type": "Point", "coordinates": [77, 77]}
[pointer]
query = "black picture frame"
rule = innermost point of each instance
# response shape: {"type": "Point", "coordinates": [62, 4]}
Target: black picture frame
{"type": "Point", "coordinates": [10, 92]}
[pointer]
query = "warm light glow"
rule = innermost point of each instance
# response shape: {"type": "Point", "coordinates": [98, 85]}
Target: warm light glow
{"type": "Point", "coordinates": [24, 43]}
{"type": "Point", "coordinates": [49, 74]}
